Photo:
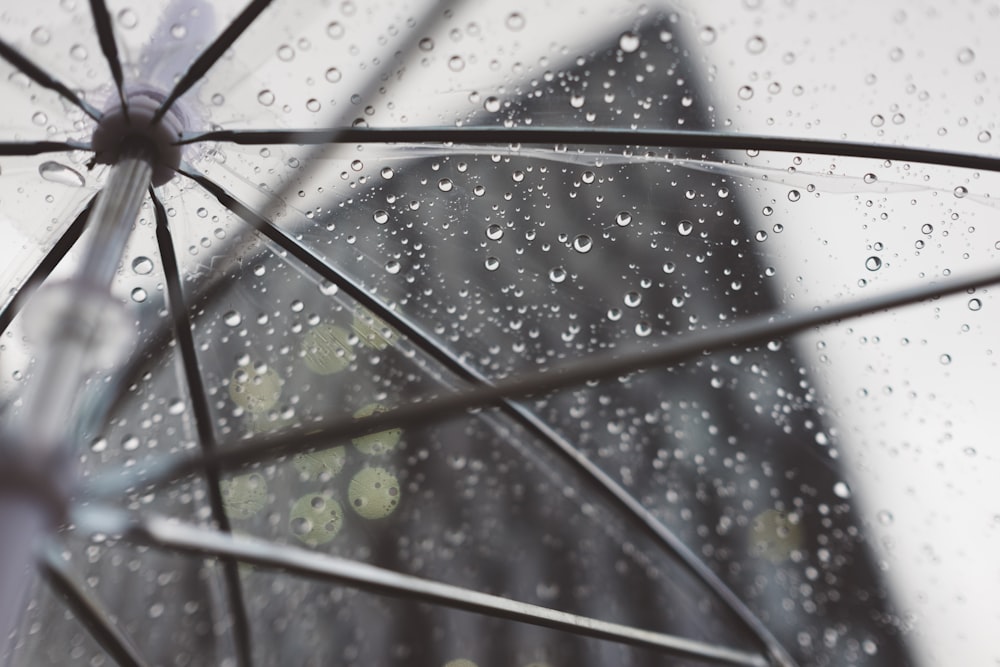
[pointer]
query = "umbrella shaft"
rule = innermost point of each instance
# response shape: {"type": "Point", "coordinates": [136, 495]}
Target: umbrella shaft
{"type": "Point", "coordinates": [39, 437]}
{"type": "Point", "coordinates": [115, 213]}
{"type": "Point", "coordinates": [81, 320]}
{"type": "Point", "coordinates": [22, 522]}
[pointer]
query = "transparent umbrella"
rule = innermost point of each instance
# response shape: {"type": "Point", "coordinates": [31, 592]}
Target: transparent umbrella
{"type": "Point", "coordinates": [451, 334]}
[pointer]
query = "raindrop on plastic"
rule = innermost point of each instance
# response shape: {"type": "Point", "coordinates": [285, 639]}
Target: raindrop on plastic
{"type": "Point", "coordinates": [60, 173]}
{"type": "Point", "coordinates": [628, 42]}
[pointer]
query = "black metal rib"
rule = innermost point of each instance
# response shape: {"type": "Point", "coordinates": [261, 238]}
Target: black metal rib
{"type": "Point", "coordinates": [604, 483]}
{"type": "Point", "coordinates": [203, 542]}
{"type": "Point", "coordinates": [211, 54]}
{"type": "Point", "coordinates": [48, 264]}
{"type": "Point", "coordinates": [695, 140]}
{"type": "Point", "coordinates": [88, 611]}
{"type": "Point", "coordinates": [43, 78]}
{"type": "Point", "coordinates": [23, 148]}
{"type": "Point", "coordinates": [203, 422]}
{"type": "Point", "coordinates": [751, 331]}
{"type": "Point", "coordinates": [106, 36]}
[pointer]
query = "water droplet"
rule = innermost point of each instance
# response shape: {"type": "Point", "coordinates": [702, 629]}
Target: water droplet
{"type": "Point", "coordinates": [870, 178]}
{"type": "Point", "coordinates": [494, 232]}
{"type": "Point", "coordinates": [265, 97]}
{"type": "Point", "coordinates": [139, 295]}
{"type": "Point", "coordinates": [313, 105]}
{"type": "Point", "coordinates": [588, 177]}
{"type": "Point", "coordinates": [333, 75]}
{"type": "Point", "coordinates": [130, 443]}
{"type": "Point", "coordinates": [756, 44]}
{"type": "Point", "coordinates": [456, 63]}
{"type": "Point", "coordinates": [583, 243]}
{"type": "Point", "coordinates": [426, 44]}
{"type": "Point", "coordinates": [984, 137]}
{"type": "Point", "coordinates": [884, 517]}
{"type": "Point", "coordinates": [966, 56]}
{"type": "Point", "coordinates": [232, 318]}
{"type": "Point", "coordinates": [745, 92]}
{"type": "Point", "coordinates": [707, 35]}
{"type": "Point", "coordinates": [577, 101]}
{"type": "Point", "coordinates": [873, 263]}
{"type": "Point", "coordinates": [387, 173]}
{"type": "Point", "coordinates": [643, 329]}
{"type": "Point", "coordinates": [961, 191]}
{"type": "Point", "coordinates": [41, 35]}
{"type": "Point", "coordinates": [515, 21]}
{"type": "Point", "coordinates": [945, 359]}
{"type": "Point", "coordinates": [176, 407]}
{"type": "Point", "coordinates": [841, 490]}
{"type": "Point", "coordinates": [491, 104]}
{"type": "Point", "coordinates": [39, 118]}
{"type": "Point", "coordinates": [393, 267]}
{"type": "Point", "coordinates": [492, 263]}
{"type": "Point", "coordinates": [78, 52]}
{"type": "Point", "coordinates": [557, 275]}
{"type": "Point", "coordinates": [285, 52]}
{"type": "Point", "coordinates": [975, 304]}
{"type": "Point", "coordinates": [633, 299]}
{"type": "Point", "coordinates": [628, 42]}
{"type": "Point", "coordinates": [335, 30]}
{"type": "Point", "coordinates": [128, 18]}
{"type": "Point", "coordinates": [445, 185]}
{"type": "Point", "coordinates": [99, 445]}
{"type": "Point", "coordinates": [669, 267]}
{"type": "Point", "coordinates": [380, 217]}
{"type": "Point", "coordinates": [60, 173]}
{"type": "Point", "coordinates": [794, 195]}
{"type": "Point", "coordinates": [623, 219]}
{"type": "Point", "coordinates": [878, 120]}
{"type": "Point", "coordinates": [685, 227]}
{"type": "Point", "coordinates": [142, 265]}
{"type": "Point", "coordinates": [760, 236]}
{"type": "Point", "coordinates": [927, 228]}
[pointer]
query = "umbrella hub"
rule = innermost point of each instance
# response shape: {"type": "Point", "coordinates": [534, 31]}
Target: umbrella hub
{"type": "Point", "coordinates": [119, 127]}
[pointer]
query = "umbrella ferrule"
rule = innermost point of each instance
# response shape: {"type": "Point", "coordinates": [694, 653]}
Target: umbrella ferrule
{"type": "Point", "coordinates": [136, 124]}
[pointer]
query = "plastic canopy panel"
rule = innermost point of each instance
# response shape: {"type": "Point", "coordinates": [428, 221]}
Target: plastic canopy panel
{"type": "Point", "coordinates": [453, 334]}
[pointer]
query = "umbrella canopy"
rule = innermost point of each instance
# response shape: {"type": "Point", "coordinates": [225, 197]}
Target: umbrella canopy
{"type": "Point", "coordinates": [456, 335]}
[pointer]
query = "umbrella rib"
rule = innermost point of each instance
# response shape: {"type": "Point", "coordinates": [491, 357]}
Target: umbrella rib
{"type": "Point", "coordinates": [43, 78]}
{"type": "Point", "coordinates": [88, 610]}
{"type": "Point", "coordinates": [46, 266]}
{"type": "Point", "coordinates": [604, 483]}
{"type": "Point", "coordinates": [28, 148]}
{"type": "Point", "coordinates": [106, 37]}
{"type": "Point", "coordinates": [203, 422]}
{"type": "Point", "coordinates": [751, 331]}
{"type": "Point", "coordinates": [617, 137]}
{"type": "Point", "coordinates": [210, 55]}
{"type": "Point", "coordinates": [208, 543]}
